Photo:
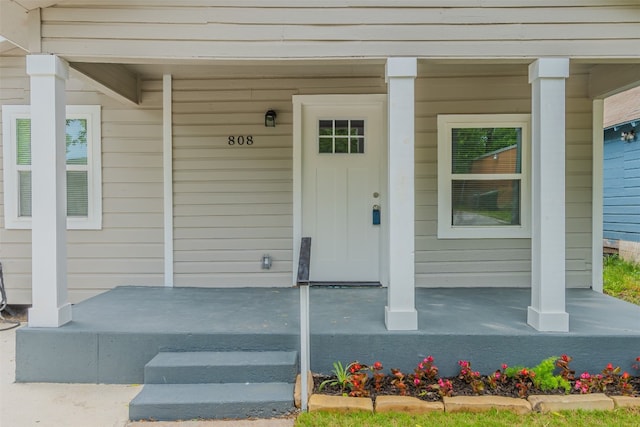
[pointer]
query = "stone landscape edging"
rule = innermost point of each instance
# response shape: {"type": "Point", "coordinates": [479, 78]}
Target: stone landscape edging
{"type": "Point", "coordinates": [486, 403]}
{"type": "Point", "coordinates": [413, 405]}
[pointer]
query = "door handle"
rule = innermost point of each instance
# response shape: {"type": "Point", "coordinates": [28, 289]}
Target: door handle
{"type": "Point", "coordinates": [376, 215]}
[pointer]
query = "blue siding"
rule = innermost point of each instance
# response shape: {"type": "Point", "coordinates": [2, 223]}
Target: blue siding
{"type": "Point", "coordinates": [621, 186]}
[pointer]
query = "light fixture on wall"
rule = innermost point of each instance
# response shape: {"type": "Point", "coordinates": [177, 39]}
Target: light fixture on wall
{"type": "Point", "coordinates": [270, 119]}
{"type": "Point", "coordinates": [628, 136]}
{"type": "Point", "coordinates": [266, 262]}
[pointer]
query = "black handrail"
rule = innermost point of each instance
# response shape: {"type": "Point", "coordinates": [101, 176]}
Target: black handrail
{"type": "Point", "coordinates": [305, 260]}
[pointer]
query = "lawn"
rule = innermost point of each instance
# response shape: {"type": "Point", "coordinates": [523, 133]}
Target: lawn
{"type": "Point", "coordinates": [617, 418]}
{"type": "Point", "coordinates": [622, 279]}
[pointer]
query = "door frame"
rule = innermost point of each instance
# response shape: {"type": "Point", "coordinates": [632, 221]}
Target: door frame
{"type": "Point", "coordinates": [299, 103]}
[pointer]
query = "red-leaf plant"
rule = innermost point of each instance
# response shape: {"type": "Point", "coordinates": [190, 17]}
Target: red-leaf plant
{"type": "Point", "coordinates": [358, 380]}
{"type": "Point", "coordinates": [498, 377]}
{"type": "Point", "coordinates": [443, 387]}
{"type": "Point", "coordinates": [609, 376]}
{"type": "Point", "coordinates": [399, 381]}
{"type": "Point", "coordinates": [425, 373]}
{"type": "Point", "coordinates": [524, 381]}
{"type": "Point", "coordinates": [378, 376]}
{"type": "Point", "coordinates": [471, 377]}
{"type": "Point", "coordinates": [565, 372]}
{"type": "Point", "coordinates": [625, 386]}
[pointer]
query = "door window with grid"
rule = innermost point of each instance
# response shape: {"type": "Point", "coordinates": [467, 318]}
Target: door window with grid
{"type": "Point", "coordinates": [341, 136]}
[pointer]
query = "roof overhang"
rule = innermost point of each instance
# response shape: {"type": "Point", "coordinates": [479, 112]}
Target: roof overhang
{"type": "Point", "coordinates": [14, 25]}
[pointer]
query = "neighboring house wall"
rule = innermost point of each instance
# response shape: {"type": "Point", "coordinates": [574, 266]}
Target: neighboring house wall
{"type": "Point", "coordinates": [129, 248]}
{"type": "Point", "coordinates": [291, 29]}
{"type": "Point", "coordinates": [622, 190]}
{"type": "Point", "coordinates": [501, 161]}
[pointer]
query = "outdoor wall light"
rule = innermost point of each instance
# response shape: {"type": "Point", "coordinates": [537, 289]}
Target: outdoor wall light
{"type": "Point", "coordinates": [628, 136]}
{"type": "Point", "coordinates": [270, 119]}
{"type": "Point", "coordinates": [266, 262]}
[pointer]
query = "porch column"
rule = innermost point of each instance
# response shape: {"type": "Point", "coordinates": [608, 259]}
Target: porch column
{"type": "Point", "coordinates": [547, 311]}
{"type": "Point", "coordinates": [50, 306]}
{"type": "Point", "coordinates": [167, 171]}
{"type": "Point", "coordinates": [400, 312]}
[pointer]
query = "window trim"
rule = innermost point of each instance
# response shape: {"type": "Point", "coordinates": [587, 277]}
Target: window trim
{"type": "Point", "coordinates": [445, 125]}
{"type": "Point", "coordinates": [91, 113]}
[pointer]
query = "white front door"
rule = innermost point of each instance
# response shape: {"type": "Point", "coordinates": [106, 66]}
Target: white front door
{"type": "Point", "coordinates": [341, 187]}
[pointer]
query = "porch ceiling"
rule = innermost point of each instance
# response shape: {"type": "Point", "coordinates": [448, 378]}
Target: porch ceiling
{"type": "Point", "coordinates": [605, 78]}
{"type": "Point", "coordinates": [261, 68]}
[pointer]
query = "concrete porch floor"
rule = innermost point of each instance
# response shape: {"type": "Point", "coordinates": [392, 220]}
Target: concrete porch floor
{"type": "Point", "coordinates": [114, 334]}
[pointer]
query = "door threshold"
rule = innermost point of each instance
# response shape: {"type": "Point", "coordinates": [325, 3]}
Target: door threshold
{"type": "Point", "coordinates": [346, 284]}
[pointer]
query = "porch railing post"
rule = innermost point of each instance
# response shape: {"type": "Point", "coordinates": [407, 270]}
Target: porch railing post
{"type": "Point", "coordinates": [303, 285]}
{"type": "Point", "coordinates": [304, 344]}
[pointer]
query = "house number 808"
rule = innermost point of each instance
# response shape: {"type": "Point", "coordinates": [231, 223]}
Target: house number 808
{"type": "Point", "coordinates": [240, 140]}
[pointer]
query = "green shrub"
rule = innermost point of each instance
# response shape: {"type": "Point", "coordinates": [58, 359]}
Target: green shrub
{"type": "Point", "coordinates": [543, 377]}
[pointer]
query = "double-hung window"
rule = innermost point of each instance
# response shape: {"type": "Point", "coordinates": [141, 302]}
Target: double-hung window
{"type": "Point", "coordinates": [84, 198]}
{"type": "Point", "coordinates": [483, 176]}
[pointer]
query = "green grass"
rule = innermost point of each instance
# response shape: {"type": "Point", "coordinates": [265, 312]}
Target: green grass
{"type": "Point", "coordinates": [622, 279]}
{"type": "Point", "coordinates": [617, 418]}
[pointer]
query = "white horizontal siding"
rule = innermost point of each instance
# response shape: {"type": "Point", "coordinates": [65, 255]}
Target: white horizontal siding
{"type": "Point", "coordinates": [343, 29]}
{"type": "Point", "coordinates": [15, 245]}
{"type": "Point", "coordinates": [277, 4]}
{"type": "Point", "coordinates": [235, 203]}
{"type": "Point", "coordinates": [436, 12]}
{"type": "Point", "coordinates": [148, 50]}
{"type": "Point", "coordinates": [411, 31]}
{"type": "Point", "coordinates": [496, 262]}
{"type": "Point", "coordinates": [129, 248]}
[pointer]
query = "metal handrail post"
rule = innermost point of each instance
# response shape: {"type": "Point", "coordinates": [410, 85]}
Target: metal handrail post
{"type": "Point", "coordinates": [304, 345]}
{"type": "Point", "coordinates": [303, 284]}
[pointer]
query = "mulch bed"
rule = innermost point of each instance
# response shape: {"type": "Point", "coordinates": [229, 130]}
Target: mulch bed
{"type": "Point", "coordinates": [460, 388]}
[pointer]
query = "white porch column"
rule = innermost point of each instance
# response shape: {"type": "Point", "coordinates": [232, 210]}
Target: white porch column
{"type": "Point", "coordinates": [400, 312]}
{"type": "Point", "coordinates": [167, 167]}
{"type": "Point", "coordinates": [50, 306]}
{"type": "Point", "coordinates": [547, 311]}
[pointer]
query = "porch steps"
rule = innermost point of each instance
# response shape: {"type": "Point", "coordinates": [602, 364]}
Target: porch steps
{"type": "Point", "coordinates": [221, 367]}
{"type": "Point", "coordinates": [206, 384]}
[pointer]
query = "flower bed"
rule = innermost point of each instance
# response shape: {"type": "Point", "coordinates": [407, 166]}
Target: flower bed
{"type": "Point", "coordinates": [553, 376]}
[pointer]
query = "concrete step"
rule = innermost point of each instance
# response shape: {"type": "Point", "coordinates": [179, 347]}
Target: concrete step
{"type": "Point", "coordinates": [170, 402]}
{"type": "Point", "coordinates": [222, 367]}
